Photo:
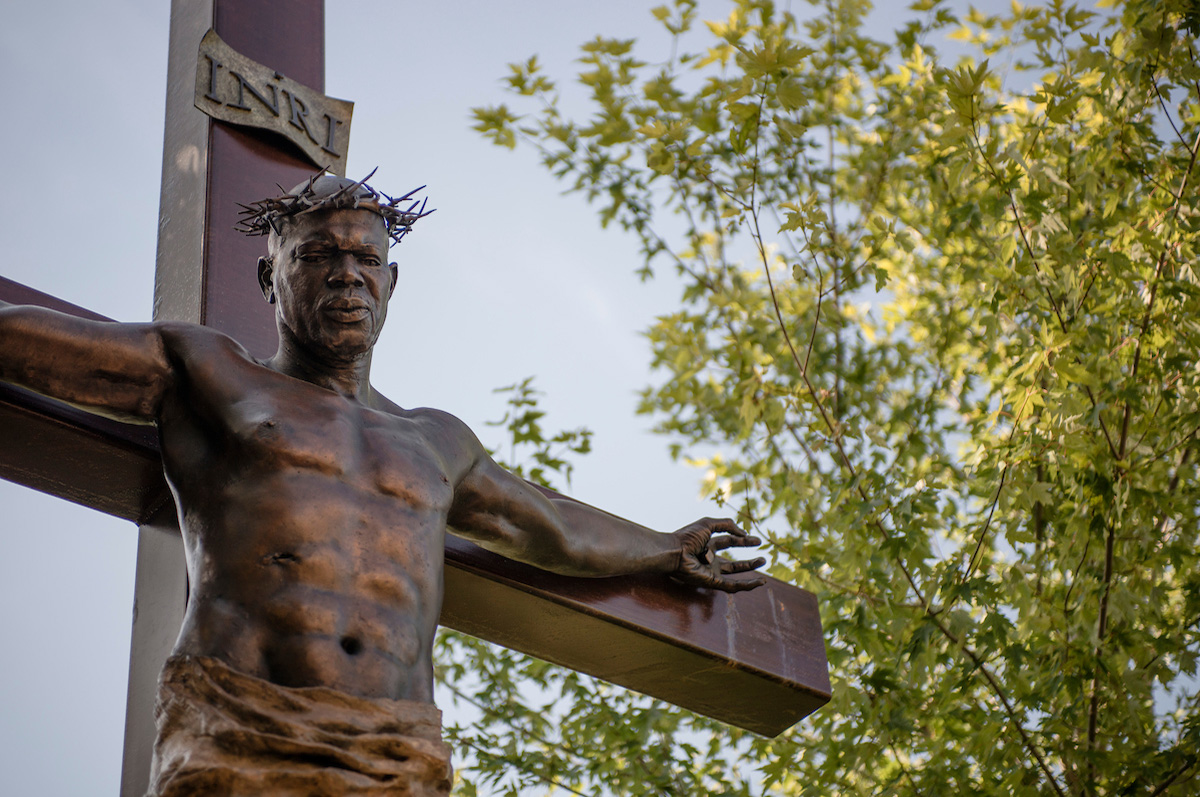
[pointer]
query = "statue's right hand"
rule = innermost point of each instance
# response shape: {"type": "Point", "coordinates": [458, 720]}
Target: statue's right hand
{"type": "Point", "coordinates": [700, 566]}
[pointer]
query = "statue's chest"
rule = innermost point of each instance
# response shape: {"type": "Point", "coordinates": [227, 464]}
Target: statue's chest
{"type": "Point", "coordinates": [326, 435]}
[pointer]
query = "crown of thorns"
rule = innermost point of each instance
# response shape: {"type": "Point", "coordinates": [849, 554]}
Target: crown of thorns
{"type": "Point", "coordinates": [263, 217]}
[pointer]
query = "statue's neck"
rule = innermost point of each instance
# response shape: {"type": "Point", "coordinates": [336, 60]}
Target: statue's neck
{"type": "Point", "coordinates": [350, 377]}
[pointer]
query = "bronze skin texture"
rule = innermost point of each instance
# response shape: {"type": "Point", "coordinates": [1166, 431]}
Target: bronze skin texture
{"type": "Point", "coordinates": [314, 510]}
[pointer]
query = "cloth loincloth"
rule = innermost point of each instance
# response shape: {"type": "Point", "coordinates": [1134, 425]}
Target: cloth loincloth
{"type": "Point", "coordinates": [223, 732]}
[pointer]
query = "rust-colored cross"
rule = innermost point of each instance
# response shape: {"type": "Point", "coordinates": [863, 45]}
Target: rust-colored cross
{"type": "Point", "coordinates": [754, 659]}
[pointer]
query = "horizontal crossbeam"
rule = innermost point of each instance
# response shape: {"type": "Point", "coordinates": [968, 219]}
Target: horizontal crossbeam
{"type": "Point", "coordinates": [755, 659]}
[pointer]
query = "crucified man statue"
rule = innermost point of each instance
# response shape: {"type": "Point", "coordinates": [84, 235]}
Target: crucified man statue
{"type": "Point", "coordinates": [314, 511]}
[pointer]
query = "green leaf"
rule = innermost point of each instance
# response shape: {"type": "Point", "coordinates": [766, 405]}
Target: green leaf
{"type": "Point", "coordinates": [791, 94]}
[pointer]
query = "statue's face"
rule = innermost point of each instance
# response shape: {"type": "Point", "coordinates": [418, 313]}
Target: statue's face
{"type": "Point", "coordinates": [330, 280]}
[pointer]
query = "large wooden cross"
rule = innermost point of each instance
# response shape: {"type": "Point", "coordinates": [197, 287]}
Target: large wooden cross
{"type": "Point", "coordinates": [755, 660]}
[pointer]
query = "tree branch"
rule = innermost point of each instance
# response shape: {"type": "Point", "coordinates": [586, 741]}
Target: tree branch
{"type": "Point", "coordinates": [1102, 630]}
{"type": "Point", "coordinates": [1174, 776]}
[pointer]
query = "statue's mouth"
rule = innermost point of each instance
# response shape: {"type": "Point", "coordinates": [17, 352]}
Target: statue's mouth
{"type": "Point", "coordinates": [346, 310]}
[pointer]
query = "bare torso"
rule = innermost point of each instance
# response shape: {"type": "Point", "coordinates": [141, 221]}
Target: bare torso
{"type": "Point", "coordinates": [314, 512]}
{"type": "Point", "coordinates": [314, 525]}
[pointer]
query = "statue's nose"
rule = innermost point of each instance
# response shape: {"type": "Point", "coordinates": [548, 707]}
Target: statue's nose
{"type": "Point", "coordinates": [345, 272]}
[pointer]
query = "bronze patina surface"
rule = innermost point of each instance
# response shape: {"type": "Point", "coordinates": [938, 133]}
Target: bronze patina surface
{"type": "Point", "coordinates": [314, 511]}
{"type": "Point", "coordinates": [755, 659]}
{"type": "Point", "coordinates": [224, 732]}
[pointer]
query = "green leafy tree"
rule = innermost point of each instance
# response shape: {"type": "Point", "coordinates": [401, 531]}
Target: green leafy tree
{"type": "Point", "coordinates": [938, 343]}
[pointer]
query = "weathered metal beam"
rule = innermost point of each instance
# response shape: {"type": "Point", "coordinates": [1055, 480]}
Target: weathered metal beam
{"type": "Point", "coordinates": [755, 659]}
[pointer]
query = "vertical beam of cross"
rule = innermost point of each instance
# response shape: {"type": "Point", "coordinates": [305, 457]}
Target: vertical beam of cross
{"type": "Point", "coordinates": [205, 274]}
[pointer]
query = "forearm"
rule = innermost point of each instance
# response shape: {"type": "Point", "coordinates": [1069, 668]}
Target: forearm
{"type": "Point", "coordinates": [595, 543]}
{"type": "Point", "coordinates": [580, 540]}
{"type": "Point", "coordinates": [511, 517]}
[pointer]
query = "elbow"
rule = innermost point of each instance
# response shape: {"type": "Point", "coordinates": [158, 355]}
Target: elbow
{"type": "Point", "coordinates": [136, 399]}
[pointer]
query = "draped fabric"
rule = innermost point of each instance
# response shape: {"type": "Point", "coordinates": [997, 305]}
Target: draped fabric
{"type": "Point", "coordinates": [223, 732]}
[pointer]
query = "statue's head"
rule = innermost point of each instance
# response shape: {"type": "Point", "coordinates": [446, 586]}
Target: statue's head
{"type": "Point", "coordinates": [326, 270]}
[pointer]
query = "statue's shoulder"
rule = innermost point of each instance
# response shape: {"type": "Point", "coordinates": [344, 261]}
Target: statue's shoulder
{"type": "Point", "coordinates": [438, 421]}
{"type": "Point", "coordinates": [193, 344]}
{"type": "Point", "coordinates": [443, 431]}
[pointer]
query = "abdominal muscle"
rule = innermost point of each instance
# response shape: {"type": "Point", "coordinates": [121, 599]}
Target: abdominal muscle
{"type": "Point", "coordinates": [305, 580]}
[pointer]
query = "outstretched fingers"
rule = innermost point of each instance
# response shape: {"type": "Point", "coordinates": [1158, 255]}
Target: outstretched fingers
{"type": "Point", "coordinates": [741, 585]}
{"type": "Point", "coordinates": [742, 566]}
{"type": "Point", "coordinates": [731, 540]}
{"type": "Point", "coordinates": [729, 567]}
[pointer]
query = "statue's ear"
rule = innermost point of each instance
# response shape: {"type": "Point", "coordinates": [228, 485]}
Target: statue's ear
{"type": "Point", "coordinates": [266, 281]}
{"type": "Point", "coordinates": [395, 275]}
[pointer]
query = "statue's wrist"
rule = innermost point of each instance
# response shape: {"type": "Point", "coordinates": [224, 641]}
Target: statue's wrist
{"type": "Point", "coordinates": [675, 561]}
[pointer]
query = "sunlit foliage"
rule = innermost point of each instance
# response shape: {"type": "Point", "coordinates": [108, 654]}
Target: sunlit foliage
{"type": "Point", "coordinates": [937, 342]}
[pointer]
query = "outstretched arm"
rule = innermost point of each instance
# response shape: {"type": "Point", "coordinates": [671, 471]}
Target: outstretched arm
{"type": "Point", "coordinates": [117, 370]}
{"type": "Point", "coordinates": [507, 515]}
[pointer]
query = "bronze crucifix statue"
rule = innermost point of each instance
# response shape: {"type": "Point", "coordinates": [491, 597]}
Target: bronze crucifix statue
{"type": "Point", "coordinates": [314, 513]}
